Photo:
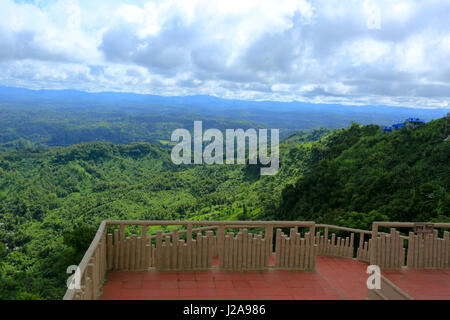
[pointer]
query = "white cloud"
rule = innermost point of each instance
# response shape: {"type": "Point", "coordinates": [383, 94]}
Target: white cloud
{"type": "Point", "coordinates": [313, 50]}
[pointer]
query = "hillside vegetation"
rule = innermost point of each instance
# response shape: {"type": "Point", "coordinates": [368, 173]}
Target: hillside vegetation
{"type": "Point", "coordinates": [52, 199]}
{"type": "Point", "coordinates": [367, 175]}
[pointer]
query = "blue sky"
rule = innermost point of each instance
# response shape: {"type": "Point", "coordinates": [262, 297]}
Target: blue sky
{"type": "Point", "coordinates": [338, 51]}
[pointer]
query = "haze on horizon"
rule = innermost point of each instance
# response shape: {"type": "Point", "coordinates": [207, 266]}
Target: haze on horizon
{"type": "Point", "coordinates": [387, 52]}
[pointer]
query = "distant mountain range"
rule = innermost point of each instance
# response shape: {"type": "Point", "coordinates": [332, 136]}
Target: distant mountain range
{"type": "Point", "coordinates": [64, 117]}
{"type": "Point", "coordinates": [11, 94]}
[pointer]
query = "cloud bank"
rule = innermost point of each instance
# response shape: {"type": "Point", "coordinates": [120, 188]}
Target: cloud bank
{"type": "Point", "coordinates": [338, 51]}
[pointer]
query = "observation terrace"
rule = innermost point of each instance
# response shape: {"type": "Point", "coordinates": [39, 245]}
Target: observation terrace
{"type": "Point", "coordinates": [260, 260]}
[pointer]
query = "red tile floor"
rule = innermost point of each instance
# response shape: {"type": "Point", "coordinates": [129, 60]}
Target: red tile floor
{"type": "Point", "coordinates": [428, 284]}
{"type": "Point", "coordinates": [334, 278]}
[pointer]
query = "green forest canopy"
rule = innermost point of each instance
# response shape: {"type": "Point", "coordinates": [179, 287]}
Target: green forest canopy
{"type": "Point", "coordinates": [52, 199]}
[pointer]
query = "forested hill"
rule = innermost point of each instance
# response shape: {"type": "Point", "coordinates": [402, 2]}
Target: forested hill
{"type": "Point", "coordinates": [53, 199]}
{"type": "Point", "coordinates": [367, 175]}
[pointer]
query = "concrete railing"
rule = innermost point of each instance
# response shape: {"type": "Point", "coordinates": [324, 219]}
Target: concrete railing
{"type": "Point", "coordinates": [91, 271]}
{"type": "Point", "coordinates": [391, 250]}
{"type": "Point", "coordinates": [421, 250]}
{"type": "Point", "coordinates": [231, 242]}
{"type": "Point", "coordinates": [249, 245]}
{"type": "Point", "coordinates": [342, 247]}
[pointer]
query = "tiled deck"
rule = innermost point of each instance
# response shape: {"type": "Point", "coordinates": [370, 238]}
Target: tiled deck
{"type": "Point", "coordinates": [425, 284]}
{"type": "Point", "coordinates": [334, 278]}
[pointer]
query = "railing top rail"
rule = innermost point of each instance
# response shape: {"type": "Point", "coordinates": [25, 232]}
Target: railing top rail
{"type": "Point", "coordinates": [408, 224]}
{"type": "Point", "coordinates": [210, 223]}
{"type": "Point", "coordinates": [87, 257]}
{"type": "Point", "coordinates": [180, 232]}
{"type": "Point", "coordinates": [329, 226]}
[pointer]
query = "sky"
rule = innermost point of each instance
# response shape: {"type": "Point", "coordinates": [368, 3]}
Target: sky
{"type": "Point", "coordinates": [330, 51]}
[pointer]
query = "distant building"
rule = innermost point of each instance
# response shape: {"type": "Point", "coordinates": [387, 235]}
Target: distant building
{"type": "Point", "coordinates": [414, 122]}
{"type": "Point", "coordinates": [386, 129]}
{"type": "Point", "coordinates": [398, 126]}
{"type": "Point", "coordinates": [408, 123]}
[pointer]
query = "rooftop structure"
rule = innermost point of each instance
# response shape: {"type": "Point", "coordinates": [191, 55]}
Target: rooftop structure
{"type": "Point", "coordinates": [409, 123]}
{"type": "Point", "coordinates": [414, 122]}
{"type": "Point", "coordinates": [257, 260]}
{"type": "Point", "coordinates": [386, 129]}
{"type": "Point", "coordinates": [398, 126]}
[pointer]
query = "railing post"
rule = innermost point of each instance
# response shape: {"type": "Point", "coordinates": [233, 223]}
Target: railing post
{"type": "Point", "coordinates": [87, 294]}
{"type": "Point", "coordinates": [189, 254]}
{"type": "Point", "coordinates": [189, 246]}
{"type": "Point", "coordinates": [104, 261]}
{"type": "Point", "coordinates": [144, 256]}
{"type": "Point", "coordinates": [158, 249]}
{"type": "Point", "coordinates": [361, 244]}
{"type": "Point", "coordinates": [110, 251]}
{"type": "Point", "coordinates": [93, 278]}
{"type": "Point", "coordinates": [244, 248]}
{"type": "Point", "coordinates": [97, 266]}
{"type": "Point", "coordinates": [291, 252]}
{"type": "Point", "coordinates": [269, 238]}
{"type": "Point", "coordinates": [351, 249]}
{"type": "Point", "coordinates": [199, 250]}
{"type": "Point", "coordinates": [312, 232]}
{"type": "Point", "coordinates": [373, 247]}
{"type": "Point", "coordinates": [121, 247]}
{"type": "Point", "coordinates": [189, 232]}
{"type": "Point", "coordinates": [116, 249]}
{"type": "Point", "coordinates": [446, 245]}
{"type": "Point", "coordinates": [210, 239]}
{"type": "Point", "coordinates": [179, 249]}
{"type": "Point", "coordinates": [175, 244]}
{"type": "Point", "coordinates": [204, 252]}
{"type": "Point", "coordinates": [278, 248]}
{"type": "Point", "coordinates": [220, 244]}
{"type": "Point", "coordinates": [133, 252]}
{"type": "Point", "coordinates": [102, 256]}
